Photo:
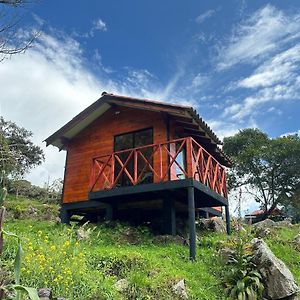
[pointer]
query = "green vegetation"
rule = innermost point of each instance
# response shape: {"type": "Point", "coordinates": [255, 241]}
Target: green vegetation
{"type": "Point", "coordinates": [54, 257]}
{"type": "Point", "coordinates": [267, 168]}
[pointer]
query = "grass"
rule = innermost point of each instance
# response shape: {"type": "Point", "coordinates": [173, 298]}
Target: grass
{"type": "Point", "coordinates": [88, 269]}
{"type": "Point", "coordinates": [55, 258]}
{"type": "Point", "coordinates": [283, 247]}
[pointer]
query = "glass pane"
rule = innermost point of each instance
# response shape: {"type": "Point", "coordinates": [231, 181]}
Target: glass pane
{"type": "Point", "coordinates": [124, 141]}
{"type": "Point", "coordinates": [143, 137]}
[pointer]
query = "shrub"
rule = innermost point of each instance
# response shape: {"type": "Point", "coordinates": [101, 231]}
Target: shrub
{"type": "Point", "coordinates": [241, 280]}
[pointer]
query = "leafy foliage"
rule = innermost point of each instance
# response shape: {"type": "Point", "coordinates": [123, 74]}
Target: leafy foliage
{"type": "Point", "coordinates": [17, 287]}
{"type": "Point", "coordinates": [17, 150]}
{"type": "Point", "coordinates": [241, 280]}
{"type": "Point", "coordinates": [268, 168]}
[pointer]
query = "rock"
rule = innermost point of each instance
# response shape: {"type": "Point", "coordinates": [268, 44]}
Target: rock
{"type": "Point", "coordinates": [83, 234]}
{"type": "Point", "coordinates": [278, 280]}
{"type": "Point", "coordinates": [215, 224]}
{"type": "Point", "coordinates": [297, 239]}
{"type": "Point", "coordinates": [179, 289]}
{"type": "Point", "coordinates": [32, 210]}
{"type": "Point", "coordinates": [45, 293]}
{"type": "Point", "coordinates": [262, 232]}
{"type": "Point", "coordinates": [131, 236]}
{"type": "Point", "coordinates": [165, 239]}
{"type": "Point", "coordinates": [267, 223]}
{"type": "Point", "coordinates": [284, 223]}
{"type": "Point", "coordinates": [122, 285]}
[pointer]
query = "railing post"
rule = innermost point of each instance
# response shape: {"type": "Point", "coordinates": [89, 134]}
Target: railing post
{"type": "Point", "coordinates": [112, 170]}
{"type": "Point", "coordinates": [189, 158]}
{"type": "Point", "coordinates": [92, 178]}
{"type": "Point", "coordinates": [135, 166]}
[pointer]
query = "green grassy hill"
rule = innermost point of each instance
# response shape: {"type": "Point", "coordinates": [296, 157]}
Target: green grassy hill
{"type": "Point", "coordinates": [54, 257]}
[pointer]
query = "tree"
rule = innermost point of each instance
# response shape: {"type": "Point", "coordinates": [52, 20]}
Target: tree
{"type": "Point", "coordinates": [12, 39]}
{"type": "Point", "coordinates": [18, 154]}
{"type": "Point", "coordinates": [268, 168]}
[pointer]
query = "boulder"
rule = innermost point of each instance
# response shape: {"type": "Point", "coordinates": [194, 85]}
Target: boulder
{"type": "Point", "coordinates": [278, 280]}
{"type": "Point", "coordinates": [262, 232]}
{"type": "Point", "coordinates": [284, 223]}
{"type": "Point", "coordinates": [45, 294]}
{"type": "Point", "coordinates": [122, 285]}
{"type": "Point", "coordinates": [267, 223]}
{"type": "Point", "coordinates": [297, 239]}
{"type": "Point", "coordinates": [165, 239]}
{"type": "Point", "coordinates": [83, 234]}
{"type": "Point", "coordinates": [215, 224]}
{"type": "Point", "coordinates": [179, 290]}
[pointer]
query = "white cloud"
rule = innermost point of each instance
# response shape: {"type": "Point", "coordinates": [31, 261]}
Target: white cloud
{"type": "Point", "coordinates": [44, 88]}
{"type": "Point", "coordinates": [98, 25]}
{"type": "Point", "coordinates": [291, 133]}
{"type": "Point", "coordinates": [206, 15]}
{"type": "Point", "coordinates": [199, 80]}
{"type": "Point", "coordinates": [269, 41]}
{"type": "Point", "coordinates": [265, 31]}
{"type": "Point", "coordinates": [283, 67]}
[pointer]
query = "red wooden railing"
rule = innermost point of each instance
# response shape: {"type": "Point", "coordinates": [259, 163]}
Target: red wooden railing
{"type": "Point", "coordinates": [173, 160]}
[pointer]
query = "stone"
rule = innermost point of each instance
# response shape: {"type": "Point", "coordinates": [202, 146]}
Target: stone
{"type": "Point", "coordinates": [179, 290]}
{"type": "Point", "coordinates": [262, 232]}
{"type": "Point", "coordinates": [83, 234]}
{"type": "Point", "coordinates": [267, 223]}
{"type": "Point", "coordinates": [278, 280]}
{"type": "Point", "coordinates": [122, 285]}
{"type": "Point", "coordinates": [215, 224]}
{"type": "Point", "coordinates": [297, 239]}
{"type": "Point", "coordinates": [32, 210]}
{"type": "Point", "coordinates": [165, 239]}
{"type": "Point", "coordinates": [45, 293]}
{"type": "Point", "coordinates": [284, 223]}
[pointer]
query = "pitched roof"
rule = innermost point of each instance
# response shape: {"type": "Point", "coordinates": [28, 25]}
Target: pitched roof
{"type": "Point", "coordinates": [186, 116]}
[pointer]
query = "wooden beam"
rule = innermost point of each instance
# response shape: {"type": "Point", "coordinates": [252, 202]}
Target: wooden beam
{"type": "Point", "coordinates": [187, 125]}
{"type": "Point", "coordinates": [195, 131]}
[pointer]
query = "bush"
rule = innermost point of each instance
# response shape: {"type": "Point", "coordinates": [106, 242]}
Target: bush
{"type": "Point", "coordinates": [241, 280]}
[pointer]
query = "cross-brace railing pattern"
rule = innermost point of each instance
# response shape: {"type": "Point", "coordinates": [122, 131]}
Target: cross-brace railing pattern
{"type": "Point", "coordinates": [172, 160]}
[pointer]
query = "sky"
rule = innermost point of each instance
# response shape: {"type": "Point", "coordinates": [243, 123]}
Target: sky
{"type": "Point", "coordinates": [237, 62]}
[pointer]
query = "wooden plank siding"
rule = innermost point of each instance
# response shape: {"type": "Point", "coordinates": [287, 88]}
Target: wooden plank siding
{"type": "Point", "coordinates": [98, 139]}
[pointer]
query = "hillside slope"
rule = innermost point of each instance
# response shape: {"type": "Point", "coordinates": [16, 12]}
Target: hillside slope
{"type": "Point", "coordinates": [89, 266]}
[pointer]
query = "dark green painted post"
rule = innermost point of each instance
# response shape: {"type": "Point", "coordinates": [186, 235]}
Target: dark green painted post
{"type": "Point", "coordinates": [110, 211]}
{"type": "Point", "coordinates": [169, 216]}
{"type": "Point", "coordinates": [192, 225]}
{"type": "Point", "coordinates": [227, 219]}
{"type": "Point", "coordinates": [65, 216]}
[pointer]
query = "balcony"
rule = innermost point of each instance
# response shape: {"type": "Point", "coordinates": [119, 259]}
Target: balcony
{"type": "Point", "coordinates": [171, 161]}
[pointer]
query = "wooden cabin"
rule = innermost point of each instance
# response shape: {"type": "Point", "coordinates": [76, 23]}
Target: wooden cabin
{"type": "Point", "coordinates": [141, 159]}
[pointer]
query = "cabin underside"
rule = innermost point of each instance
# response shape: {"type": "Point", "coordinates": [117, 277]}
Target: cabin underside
{"type": "Point", "coordinates": [153, 203]}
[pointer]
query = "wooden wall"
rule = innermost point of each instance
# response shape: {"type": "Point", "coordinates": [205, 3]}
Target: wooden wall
{"type": "Point", "coordinates": [97, 139]}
